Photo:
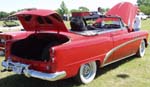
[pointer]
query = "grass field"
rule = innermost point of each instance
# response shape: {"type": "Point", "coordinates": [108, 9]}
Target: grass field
{"type": "Point", "coordinates": [1, 23]}
{"type": "Point", "coordinates": [131, 72]}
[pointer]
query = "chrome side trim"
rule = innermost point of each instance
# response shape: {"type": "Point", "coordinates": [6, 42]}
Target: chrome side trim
{"type": "Point", "coordinates": [116, 48]}
{"type": "Point", "coordinates": [117, 60]}
{"type": "Point", "coordinates": [9, 65]}
{"type": "Point", "coordinates": [95, 32]}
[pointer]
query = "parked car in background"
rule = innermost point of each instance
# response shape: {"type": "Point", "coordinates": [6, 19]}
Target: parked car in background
{"type": "Point", "coordinates": [5, 36]}
{"type": "Point", "coordinates": [143, 16]}
{"type": "Point", "coordinates": [54, 52]}
{"type": "Point", "coordinates": [9, 29]}
{"type": "Point", "coordinates": [10, 25]}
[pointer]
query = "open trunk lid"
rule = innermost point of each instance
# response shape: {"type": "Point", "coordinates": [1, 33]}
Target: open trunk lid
{"type": "Point", "coordinates": [41, 20]}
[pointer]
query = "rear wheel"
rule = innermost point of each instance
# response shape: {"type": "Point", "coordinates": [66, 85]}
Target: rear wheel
{"type": "Point", "coordinates": [141, 50]}
{"type": "Point", "coordinates": [87, 72]}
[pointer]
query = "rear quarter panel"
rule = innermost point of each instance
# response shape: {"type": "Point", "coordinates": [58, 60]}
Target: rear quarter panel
{"type": "Point", "coordinates": [71, 55]}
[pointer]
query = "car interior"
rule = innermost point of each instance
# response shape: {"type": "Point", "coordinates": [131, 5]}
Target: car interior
{"type": "Point", "coordinates": [78, 24]}
{"type": "Point", "coordinates": [82, 26]}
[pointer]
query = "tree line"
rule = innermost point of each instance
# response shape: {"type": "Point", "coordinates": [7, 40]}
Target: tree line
{"type": "Point", "coordinates": [4, 14]}
{"type": "Point", "coordinates": [144, 6]}
{"type": "Point", "coordinates": [62, 10]}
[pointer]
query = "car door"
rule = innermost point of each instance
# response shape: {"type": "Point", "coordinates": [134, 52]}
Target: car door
{"type": "Point", "coordinates": [121, 42]}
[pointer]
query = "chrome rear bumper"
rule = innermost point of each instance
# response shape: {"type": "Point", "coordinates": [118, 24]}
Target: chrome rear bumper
{"type": "Point", "coordinates": [9, 65]}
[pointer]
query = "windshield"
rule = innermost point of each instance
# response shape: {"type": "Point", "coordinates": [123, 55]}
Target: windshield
{"type": "Point", "coordinates": [108, 23]}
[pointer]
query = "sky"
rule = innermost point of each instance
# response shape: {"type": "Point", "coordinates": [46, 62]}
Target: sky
{"type": "Point", "coordinates": [14, 5]}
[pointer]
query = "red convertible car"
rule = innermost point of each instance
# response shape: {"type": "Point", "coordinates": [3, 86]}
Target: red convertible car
{"type": "Point", "coordinates": [53, 52]}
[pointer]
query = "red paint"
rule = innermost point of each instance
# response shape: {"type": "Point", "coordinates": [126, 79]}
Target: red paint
{"type": "Point", "coordinates": [80, 14]}
{"type": "Point", "coordinates": [126, 11]}
{"type": "Point", "coordinates": [12, 35]}
{"type": "Point", "coordinates": [79, 49]}
{"type": "Point", "coordinates": [30, 23]}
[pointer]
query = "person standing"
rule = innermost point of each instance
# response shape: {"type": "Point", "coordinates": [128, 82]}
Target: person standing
{"type": "Point", "coordinates": [137, 22]}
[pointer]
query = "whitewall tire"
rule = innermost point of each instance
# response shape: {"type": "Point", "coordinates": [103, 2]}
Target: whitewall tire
{"type": "Point", "coordinates": [141, 49]}
{"type": "Point", "coordinates": [87, 72]}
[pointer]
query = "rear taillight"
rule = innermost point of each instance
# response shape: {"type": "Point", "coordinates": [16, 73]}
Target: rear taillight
{"type": "Point", "coordinates": [4, 38]}
{"type": "Point", "coordinates": [52, 51]}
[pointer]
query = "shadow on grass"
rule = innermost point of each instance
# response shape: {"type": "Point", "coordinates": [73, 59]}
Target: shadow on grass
{"type": "Point", "coordinates": [123, 76]}
{"type": "Point", "coordinates": [22, 81]}
{"type": "Point", "coordinates": [114, 66]}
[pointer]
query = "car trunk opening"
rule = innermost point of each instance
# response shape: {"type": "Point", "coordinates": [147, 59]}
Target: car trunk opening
{"type": "Point", "coordinates": [37, 46]}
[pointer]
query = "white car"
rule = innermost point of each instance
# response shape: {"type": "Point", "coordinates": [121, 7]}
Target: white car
{"type": "Point", "coordinates": [143, 16]}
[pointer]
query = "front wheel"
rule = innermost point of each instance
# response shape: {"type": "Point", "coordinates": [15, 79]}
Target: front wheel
{"type": "Point", "coordinates": [141, 49]}
{"type": "Point", "coordinates": [87, 72]}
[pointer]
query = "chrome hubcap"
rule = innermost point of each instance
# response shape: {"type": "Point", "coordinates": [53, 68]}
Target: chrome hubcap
{"type": "Point", "coordinates": [142, 48]}
{"type": "Point", "coordinates": [87, 71]}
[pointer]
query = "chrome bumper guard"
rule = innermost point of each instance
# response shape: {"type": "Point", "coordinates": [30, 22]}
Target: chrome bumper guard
{"type": "Point", "coordinates": [9, 65]}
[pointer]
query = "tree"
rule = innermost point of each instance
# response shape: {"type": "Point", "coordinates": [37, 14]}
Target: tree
{"type": "Point", "coordinates": [63, 9]}
{"type": "Point", "coordinates": [83, 9]}
{"type": "Point", "coordinates": [139, 2]}
{"type": "Point", "coordinates": [80, 9]}
{"type": "Point", "coordinates": [143, 2]}
{"type": "Point", "coordinates": [60, 12]}
{"type": "Point", "coordinates": [107, 9]}
{"type": "Point", "coordinates": [26, 9]}
{"type": "Point", "coordinates": [74, 10]}
{"type": "Point", "coordinates": [145, 9]}
{"type": "Point", "coordinates": [3, 14]}
{"type": "Point", "coordinates": [13, 12]}
{"type": "Point", "coordinates": [144, 6]}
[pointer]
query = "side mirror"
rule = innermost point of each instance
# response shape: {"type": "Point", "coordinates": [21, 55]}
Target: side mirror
{"type": "Point", "coordinates": [129, 30]}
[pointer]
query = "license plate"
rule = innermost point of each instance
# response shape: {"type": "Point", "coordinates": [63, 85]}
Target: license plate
{"type": "Point", "coordinates": [17, 69]}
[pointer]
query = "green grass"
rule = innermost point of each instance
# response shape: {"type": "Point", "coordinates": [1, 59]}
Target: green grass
{"type": "Point", "coordinates": [146, 24]}
{"type": "Point", "coordinates": [67, 23]}
{"type": "Point", "coordinates": [1, 23]}
{"type": "Point", "coordinates": [131, 72]}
